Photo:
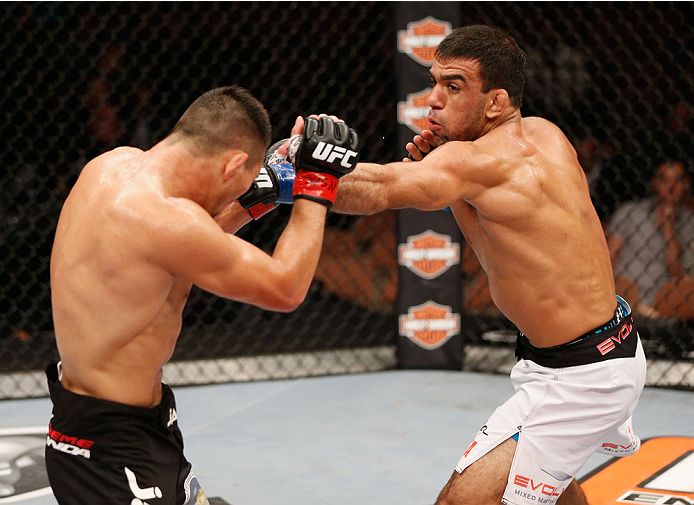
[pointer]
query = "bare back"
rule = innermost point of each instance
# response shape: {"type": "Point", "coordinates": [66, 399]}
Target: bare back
{"type": "Point", "coordinates": [113, 308]}
{"type": "Point", "coordinates": [537, 235]}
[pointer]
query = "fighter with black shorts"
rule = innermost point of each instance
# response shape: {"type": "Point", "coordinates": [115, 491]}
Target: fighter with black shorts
{"type": "Point", "coordinates": [137, 231]}
{"type": "Point", "coordinates": [97, 448]}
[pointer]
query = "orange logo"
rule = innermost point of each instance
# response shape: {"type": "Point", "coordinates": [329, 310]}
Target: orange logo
{"type": "Point", "coordinates": [428, 254]}
{"type": "Point", "coordinates": [472, 445]}
{"type": "Point", "coordinates": [429, 325]}
{"type": "Point", "coordinates": [413, 112]}
{"type": "Point", "coordinates": [421, 38]}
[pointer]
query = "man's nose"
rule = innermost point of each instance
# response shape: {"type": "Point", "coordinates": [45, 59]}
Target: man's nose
{"type": "Point", "coordinates": [435, 98]}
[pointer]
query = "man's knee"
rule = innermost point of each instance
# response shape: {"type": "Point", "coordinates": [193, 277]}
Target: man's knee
{"type": "Point", "coordinates": [572, 495]}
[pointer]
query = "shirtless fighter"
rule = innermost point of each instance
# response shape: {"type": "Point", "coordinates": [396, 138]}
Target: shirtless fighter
{"type": "Point", "coordinates": [137, 230]}
{"type": "Point", "coordinates": [521, 199]}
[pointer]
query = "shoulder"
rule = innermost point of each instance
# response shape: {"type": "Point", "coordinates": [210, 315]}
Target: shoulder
{"type": "Point", "coordinates": [170, 214]}
{"type": "Point", "coordinates": [119, 153]}
{"type": "Point", "coordinates": [538, 122]}
{"type": "Point", "coordinates": [125, 150]}
{"type": "Point", "coordinates": [141, 210]}
{"type": "Point", "coordinates": [540, 126]}
{"type": "Point", "coordinates": [118, 157]}
{"type": "Point", "coordinates": [542, 129]}
{"type": "Point", "coordinates": [162, 231]}
{"type": "Point", "coordinates": [465, 158]}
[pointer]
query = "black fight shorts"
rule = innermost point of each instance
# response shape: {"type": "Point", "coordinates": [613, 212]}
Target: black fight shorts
{"type": "Point", "coordinates": [102, 452]}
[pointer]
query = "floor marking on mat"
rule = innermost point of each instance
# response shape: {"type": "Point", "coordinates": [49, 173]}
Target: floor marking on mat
{"type": "Point", "coordinates": [660, 473]}
{"type": "Point", "coordinates": [22, 464]}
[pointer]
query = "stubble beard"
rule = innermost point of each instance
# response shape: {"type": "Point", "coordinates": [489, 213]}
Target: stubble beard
{"type": "Point", "coordinates": [472, 130]}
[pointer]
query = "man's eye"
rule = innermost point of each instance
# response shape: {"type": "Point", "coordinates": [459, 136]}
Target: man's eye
{"type": "Point", "coordinates": [453, 87]}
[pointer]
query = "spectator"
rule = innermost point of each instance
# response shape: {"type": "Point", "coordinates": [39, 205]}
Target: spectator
{"type": "Point", "coordinates": [651, 245]}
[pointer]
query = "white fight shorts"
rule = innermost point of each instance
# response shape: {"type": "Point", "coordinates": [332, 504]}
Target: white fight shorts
{"type": "Point", "coordinates": [560, 416]}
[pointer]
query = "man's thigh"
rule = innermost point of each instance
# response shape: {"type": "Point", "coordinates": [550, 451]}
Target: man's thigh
{"type": "Point", "coordinates": [484, 481]}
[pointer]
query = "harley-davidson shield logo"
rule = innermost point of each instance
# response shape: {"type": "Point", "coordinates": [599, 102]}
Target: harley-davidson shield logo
{"type": "Point", "coordinates": [22, 464]}
{"type": "Point", "coordinates": [429, 325]}
{"type": "Point", "coordinates": [420, 39]}
{"type": "Point", "coordinates": [428, 254]}
{"type": "Point", "coordinates": [413, 112]}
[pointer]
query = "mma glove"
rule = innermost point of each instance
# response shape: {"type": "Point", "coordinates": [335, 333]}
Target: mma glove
{"type": "Point", "coordinates": [321, 155]}
{"type": "Point", "coordinates": [272, 186]}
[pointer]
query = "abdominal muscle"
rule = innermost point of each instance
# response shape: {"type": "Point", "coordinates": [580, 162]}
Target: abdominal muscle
{"type": "Point", "coordinates": [553, 318]}
{"type": "Point", "coordinates": [553, 284]}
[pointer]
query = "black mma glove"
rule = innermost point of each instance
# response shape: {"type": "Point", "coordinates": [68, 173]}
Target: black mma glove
{"type": "Point", "coordinates": [321, 155]}
{"type": "Point", "coordinates": [272, 186]}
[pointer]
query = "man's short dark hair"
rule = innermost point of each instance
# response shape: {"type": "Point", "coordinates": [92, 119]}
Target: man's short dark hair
{"type": "Point", "coordinates": [222, 119]}
{"type": "Point", "coordinates": [502, 62]}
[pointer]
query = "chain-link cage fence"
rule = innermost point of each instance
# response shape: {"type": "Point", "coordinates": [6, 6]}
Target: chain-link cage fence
{"type": "Point", "coordinates": [618, 79]}
{"type": "Point", "coordinates": [81, 78]}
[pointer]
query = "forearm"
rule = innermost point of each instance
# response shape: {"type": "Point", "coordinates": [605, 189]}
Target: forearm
{"type": "Point", "coordinates": [298, 249]}
{"type": "Point", "coordinates": [233, 217]}
{"type": "Point", "coordinates": [373, 188]}
{"type": "Point", "coordinates": [363, 191]}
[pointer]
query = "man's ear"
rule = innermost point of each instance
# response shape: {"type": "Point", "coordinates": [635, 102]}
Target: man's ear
{"type": "Point", "coordinates": [497, 102]}
{"type": "Point", "coordinates": [236, 160]}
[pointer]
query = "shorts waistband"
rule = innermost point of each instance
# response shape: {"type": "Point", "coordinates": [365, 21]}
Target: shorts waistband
{"type": "Point", "coordinates": [65, 402]}
{"type": "Point", "coordinates": [617, 338]}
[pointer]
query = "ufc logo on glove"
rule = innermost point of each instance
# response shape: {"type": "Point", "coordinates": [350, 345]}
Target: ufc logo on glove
{"type": "Point", "coordinates": [324, 152]}
{"type": "Point", "coordinates": [330, 153]}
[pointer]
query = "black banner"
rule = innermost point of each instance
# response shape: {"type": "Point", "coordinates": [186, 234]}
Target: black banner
{"type": "Point", "coordinates": [429, 243]}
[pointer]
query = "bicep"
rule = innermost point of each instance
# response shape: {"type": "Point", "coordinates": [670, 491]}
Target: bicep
{"type": "Point", "coordinates": [448, 174]}
{"type": "Point", "coordinates": [220, 263]}
{"type": "Point", "coordinates": [421, 186]}
{"type": "Point", "coordinates": [451, 172]}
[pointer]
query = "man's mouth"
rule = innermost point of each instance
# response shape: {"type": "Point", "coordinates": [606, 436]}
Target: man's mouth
{"type": "Point", "coordinates": [434, 126]}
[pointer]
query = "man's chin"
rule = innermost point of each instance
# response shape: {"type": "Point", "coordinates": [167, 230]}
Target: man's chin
{"type": "Point", "coordinates": [439, 139]}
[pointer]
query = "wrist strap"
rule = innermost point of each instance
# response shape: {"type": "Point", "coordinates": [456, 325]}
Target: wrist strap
{"type": "Point", "coordinates": [260, 209]}
{"type": "Point", "coordinates": [316, 186]}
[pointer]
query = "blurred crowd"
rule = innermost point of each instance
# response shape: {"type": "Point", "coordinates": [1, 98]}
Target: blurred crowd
{"type": "Point", "coordinates": [87, 81]}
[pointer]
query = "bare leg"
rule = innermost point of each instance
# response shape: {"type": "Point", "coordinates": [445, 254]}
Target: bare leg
{"type": "Point", "coordinates": [483, 482]}
{"type": "Point", "coordinates": [572, 495]}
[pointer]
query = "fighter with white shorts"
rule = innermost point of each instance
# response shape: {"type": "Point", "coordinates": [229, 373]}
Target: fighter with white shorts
{"type": "Point", "coordinates": [570, 401]}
